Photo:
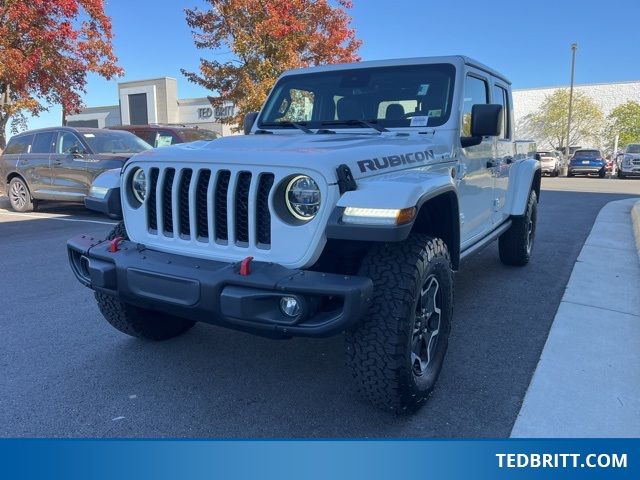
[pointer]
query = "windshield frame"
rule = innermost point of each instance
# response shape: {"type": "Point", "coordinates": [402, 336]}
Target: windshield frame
{"type": "Point", "coordinates": [264, 123]}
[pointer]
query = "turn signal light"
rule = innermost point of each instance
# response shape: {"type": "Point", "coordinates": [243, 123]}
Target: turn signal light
{"type": "Point", "coordinates": [378, 216]}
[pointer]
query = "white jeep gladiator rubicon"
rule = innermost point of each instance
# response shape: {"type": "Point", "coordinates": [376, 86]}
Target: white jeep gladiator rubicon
{"type": "Point", "coordinates": [347, 207]}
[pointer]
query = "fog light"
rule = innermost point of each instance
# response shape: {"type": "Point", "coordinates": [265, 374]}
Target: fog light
{"type": "Point", "coordinates": [290, 306]}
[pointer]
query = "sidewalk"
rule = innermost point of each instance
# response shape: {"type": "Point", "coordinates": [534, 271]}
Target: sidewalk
{"type": "Point", "coordinates": [587, 382]}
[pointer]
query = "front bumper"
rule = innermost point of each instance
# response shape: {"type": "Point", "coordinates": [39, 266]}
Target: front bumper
{"type": "Point", "coordinates": [632, 171]}
{"type": "Point", "coordinates": [109, 205]}
{"type": "Point", "coordinates": [215, 292]}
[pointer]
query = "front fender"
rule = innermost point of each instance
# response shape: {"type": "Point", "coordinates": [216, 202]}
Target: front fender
{"type": "Point", "coordinates": [402, 190]}
{"type": "Point", "coordinates": [523, 176]}
{"type": "Point", "coordinates": [397, 191]}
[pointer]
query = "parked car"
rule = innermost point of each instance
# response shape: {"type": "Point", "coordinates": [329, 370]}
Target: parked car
{"type": "Point", "coordinates": [61, 163]}
{"type": "Point", "coordinates": [587, 162]}
{"type": "Point", "coordinates": [550, 162]}
{"type": "Point", "coordinates": [630, 162]}
{"type": "Point", "coordinates": [158, 135]}
{"type": "Point", "coordinates": [343, 214]}
{"type": "Point", "coordinates": [105, 190]}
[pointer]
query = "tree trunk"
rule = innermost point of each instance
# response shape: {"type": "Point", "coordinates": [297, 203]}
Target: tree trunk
{"type": "Point", "coordinates": [4, 119]}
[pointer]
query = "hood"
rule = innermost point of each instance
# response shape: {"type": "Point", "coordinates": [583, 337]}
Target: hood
{"type": "Point", "coordinates": [366, 154]}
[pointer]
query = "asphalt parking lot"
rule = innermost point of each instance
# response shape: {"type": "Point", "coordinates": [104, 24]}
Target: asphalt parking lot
{"type": "Point", "coordinates": [64, 372]}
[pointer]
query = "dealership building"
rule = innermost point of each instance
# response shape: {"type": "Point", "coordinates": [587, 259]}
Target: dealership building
{"type": "Point", "coordinates": [156, 101]}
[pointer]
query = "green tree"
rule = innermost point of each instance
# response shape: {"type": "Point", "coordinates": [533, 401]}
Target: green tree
{"type": "Point", "coordinates": [624, 120]}
{"type": "Point", "coordinates": [549, 122]}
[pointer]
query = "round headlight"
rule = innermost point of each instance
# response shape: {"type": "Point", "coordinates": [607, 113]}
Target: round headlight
{"type": "Point", "coordinates": [139, 185]}
{"type": "Point", "coordinates": [302, 197]}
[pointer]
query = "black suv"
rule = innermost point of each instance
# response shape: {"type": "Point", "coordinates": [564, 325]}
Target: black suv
{"type": "Point", "coordinates": [60, 163]}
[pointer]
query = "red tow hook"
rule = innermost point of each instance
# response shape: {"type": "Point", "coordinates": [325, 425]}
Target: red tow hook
{"type": "Point", "coordinates": [114, 244]}
{"type": "Point", "coordinates": [244, 266]}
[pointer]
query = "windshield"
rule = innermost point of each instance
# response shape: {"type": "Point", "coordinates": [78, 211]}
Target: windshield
{"type": "Point", "coordinates": [111, 141]}
{"type": "Point", "coordinates": [545, 154]}
{"type": "Point", "coordinates": [588, 153]}
{"type": "Point", "coordinates": [404, 96]}
{"type": "Point", "coordinates": [633, 148]}
{"type": "Point", "coordinates": [198, 134]}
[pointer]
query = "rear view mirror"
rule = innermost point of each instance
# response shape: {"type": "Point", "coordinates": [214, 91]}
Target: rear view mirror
{"type": "Point", "coordinates": [249, 120]}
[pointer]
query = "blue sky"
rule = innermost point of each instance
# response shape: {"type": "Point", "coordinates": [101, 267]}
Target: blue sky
{"type": "Point", "coordinates": [529, 41]}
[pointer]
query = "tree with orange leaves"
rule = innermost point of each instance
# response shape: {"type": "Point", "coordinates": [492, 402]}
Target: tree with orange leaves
{"type": "Point", "coordinates": [47, 47]}
{"type": "Point", "coordinates": [263, 38]}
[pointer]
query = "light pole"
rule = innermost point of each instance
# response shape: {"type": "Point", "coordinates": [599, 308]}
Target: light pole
{"type": "Point", "coordinates": [574, 47]}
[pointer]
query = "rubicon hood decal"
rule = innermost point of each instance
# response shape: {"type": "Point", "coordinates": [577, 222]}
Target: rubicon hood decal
{"type": "Point", "coordinates": [374, 164]}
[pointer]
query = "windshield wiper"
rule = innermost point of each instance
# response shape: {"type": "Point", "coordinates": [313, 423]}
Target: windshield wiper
{"type": "Point", "coordinates": [366, 123]}
{"type": "Point", "coordinates": [298, 125]}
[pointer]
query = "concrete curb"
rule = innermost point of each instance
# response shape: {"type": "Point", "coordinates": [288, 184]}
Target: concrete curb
{"type": "Point", "coordinates": [587, 381]}
{"type": "Point", "coordinates": [635, 217]}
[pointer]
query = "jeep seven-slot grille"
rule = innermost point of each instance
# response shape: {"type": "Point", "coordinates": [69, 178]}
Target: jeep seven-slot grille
{"type": "Point", "coordinates": [242, 207]}
{"type": "Point", "coordinates": [222, 190]}
{"type": "Point", "coordinates": [223, 207]}
{"type": "Point", "coordinates": [263, 221]}
{"type": "Point", "coordinates": [167, 208]}
{"type": "Point", "coordinates": [152, 218]}
{"type": "Point", "coordinates": [185, 183]}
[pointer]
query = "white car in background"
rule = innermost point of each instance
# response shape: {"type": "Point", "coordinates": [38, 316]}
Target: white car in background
{"type": "Point", "coordinates": [550, 161]}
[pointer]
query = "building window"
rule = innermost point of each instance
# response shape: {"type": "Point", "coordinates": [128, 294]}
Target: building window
{"type": "Point", "coordinates": [138, 109]}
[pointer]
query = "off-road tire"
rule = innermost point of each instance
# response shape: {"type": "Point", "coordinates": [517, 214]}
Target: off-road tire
{"type": "Point", "coordinates": [515, 245]}
{"type": "Point", "coordinates": [135, 321]}
{"type": "Point", "coordinates": [20, 197]}
{"type": "Point", "coordinates": [379, 348]}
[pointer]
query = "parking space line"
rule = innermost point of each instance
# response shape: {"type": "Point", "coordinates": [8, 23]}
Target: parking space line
{"type": "Point", "coordinates": [47, 217]}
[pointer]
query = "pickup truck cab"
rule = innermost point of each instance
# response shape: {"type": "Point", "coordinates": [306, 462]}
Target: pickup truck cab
{"type": "Point", "coordinates": [347, 207]}
{"type": "Point", "coordinates": [630, 162]}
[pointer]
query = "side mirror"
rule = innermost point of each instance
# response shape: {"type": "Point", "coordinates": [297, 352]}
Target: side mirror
{"type": "Point", "coordinates": [76, 151]}
{"type": "Point", "coordinates": [249, 120]}
{"type": "Point", "coordinates": [486, 121]}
